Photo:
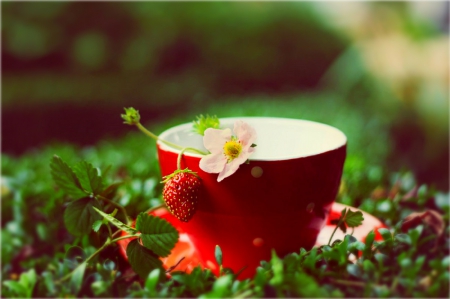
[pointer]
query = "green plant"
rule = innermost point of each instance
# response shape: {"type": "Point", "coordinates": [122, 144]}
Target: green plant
{"type": "Point", "coordinates": [407, 259]}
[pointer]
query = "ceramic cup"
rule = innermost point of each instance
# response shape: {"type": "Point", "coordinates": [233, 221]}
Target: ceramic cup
{"type": "Point", "coordinates": [280, 200]}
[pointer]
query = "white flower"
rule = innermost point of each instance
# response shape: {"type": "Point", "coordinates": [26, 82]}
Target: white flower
{"type": "Point", "coordinates": [227, 151]}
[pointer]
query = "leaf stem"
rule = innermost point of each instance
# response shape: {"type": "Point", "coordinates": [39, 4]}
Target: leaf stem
{"type": "Point", "coordinates": [67, 276]}
{"type": "Point", "coordinates": [109, 231]}
{"type": "Point", "coordinates": [155, 208]}
{"type": "Point", "coordinates": [156, 138]}
{"type": "Point", "coordinates": [245, 294]}
{"type": "Point", "coordinates": [394, 284]}
{"type": "Point", "coordinates": [107, 243]}
{"type": "Point", "coordinates": [121, 208]}
{"type": "Point", "coordinates": [124, 237]}
{"type": "Point", "coordinates": [115, 233]}
{"type": "Point", "coordinates": [349, 283]}
{"type": "Point", "coordinates": [335, 229]}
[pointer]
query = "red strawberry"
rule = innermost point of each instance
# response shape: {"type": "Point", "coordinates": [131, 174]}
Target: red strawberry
{"type": "Point", "coordinates": [181, 192]}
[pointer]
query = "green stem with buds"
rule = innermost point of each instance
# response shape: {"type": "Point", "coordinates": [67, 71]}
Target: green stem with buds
{"type": "Point", "coordinates": [155, 137]}
{"type": "Point", "coordinates": [132, 117]}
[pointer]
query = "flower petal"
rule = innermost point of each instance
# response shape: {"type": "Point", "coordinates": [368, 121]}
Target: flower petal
{"type": "Point", "coordinates": [214, 139]}
{"type": "Point", "coordinates": [229, 169]}
{"type": "Point", "coordinates": [245, 133]}
{"type": "Point", "coordinates": [213, 163]}
{"type": "Point", "coordinates": [242, 158]}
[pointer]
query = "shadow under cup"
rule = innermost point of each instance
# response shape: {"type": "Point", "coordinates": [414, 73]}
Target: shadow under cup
{"type": "Point", "coordinates": [280, 200]}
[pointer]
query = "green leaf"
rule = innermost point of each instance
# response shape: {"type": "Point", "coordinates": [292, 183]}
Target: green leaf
{"type": "Point", "coordinates": [334, 221]}
{"type": "Point", "coordinates": [89, 177]}
{"type": "Point", "coordinates": [367, 253]}
{"type": "Point", "coordinates": [354, 219]}
{"type": "Point", "coordinates": [369, 268]}
{"type": "Point", "coordinates": [142, 260]}
{"type": "Point", "coordinates": [157, 234]}
{"type": "Point", "coordinates": [111, 190]}
{"type": "Point", "coordinates": [153, 279]}
{"type": "Point", "coordinates": [74, 256]}
{"type": "Point", "coordinates": [96, 225]}
{"type": "Point", "coordinates": [25, 286]}
{"type": "Point", "coordinates": [17, 288]}
{"type": "Point", "coordinates": [119, 224]}
{"type": "Point", "coordinates": [49, 281]}
{"type": "Point", "coordinates": [79, 215]}
{"type": "Point", "coordinates": [109, 265]}
{"type": "Point", "coordinates": [218, 254]}
{"type": "Point", "coordinates": [221, 288]}
{"type": "Point", "coordinates": [77, 278]}
{"type": "Point", "coordinates": [343, 227]}
{"type": "Point", "coordinates": [277, 268]}
{"type": "Point", "coordinates": [28, 279]}
{"type": "Point", "coordinates": [66, 178]}
{"type": "Point", "coordinates": [99, 287]}
{"type": "Point", "coordinates": [403, 238]}
{"type": "Point", "coordinates": [357, 246]}
{"type": "Point", "coordinates": [354, 270]}
{"type": "Point", "coordinates": [385, 233]}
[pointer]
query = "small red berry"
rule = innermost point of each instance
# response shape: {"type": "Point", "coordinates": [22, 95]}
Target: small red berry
{"type": "Point", "coordinates": [181, 193]}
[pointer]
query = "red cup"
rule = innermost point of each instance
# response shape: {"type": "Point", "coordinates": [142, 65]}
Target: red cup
{"type": "Point", "coordinates": [280, 200]}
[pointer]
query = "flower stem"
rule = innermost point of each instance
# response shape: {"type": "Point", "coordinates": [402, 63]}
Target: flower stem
{"type": "Point", "coordinates": [180, 155]}
{"type": "Point", "coordinates": [156, 138]}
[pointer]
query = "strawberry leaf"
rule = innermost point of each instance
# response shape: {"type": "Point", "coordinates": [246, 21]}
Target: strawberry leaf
{"type": "Point", "coordinates": [66, 178]}
{"type": "Point", "coordinates": [111, 190]}
{"type": "Point", "coordinates": [79, 215]}
{"type": "Point", "coordinates": [142, 260]}
{"type": "Point", "coordinates": [157, 234]}
{"type": "Point", "coordinates": [334, 221]}
{"type": "Point", "coordinates": [96, 225]}
{"type": "Point", "coordinates": [89, 177]}
{"type": "Point", "coordinates": [353, 219]}
{"type": "Point", "coordinates": [117, 223]}
{"type": "Point", "coordinates": [343, 227]}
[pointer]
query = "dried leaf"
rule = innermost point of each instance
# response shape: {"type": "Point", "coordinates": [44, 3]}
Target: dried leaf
{"type": "Point", "coordinates": [429, 218]}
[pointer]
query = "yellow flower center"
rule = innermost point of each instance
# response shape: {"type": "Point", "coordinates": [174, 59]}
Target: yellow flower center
{"type": "Point", "coordinates": [232, 149]}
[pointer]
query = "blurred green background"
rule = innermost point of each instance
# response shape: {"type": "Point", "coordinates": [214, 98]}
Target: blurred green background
{"type": "Point", "coordinates": [376, 70]}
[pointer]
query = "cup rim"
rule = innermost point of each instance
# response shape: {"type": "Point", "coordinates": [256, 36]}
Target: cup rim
{"type": "Point", "coordinates": [187, 127]}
